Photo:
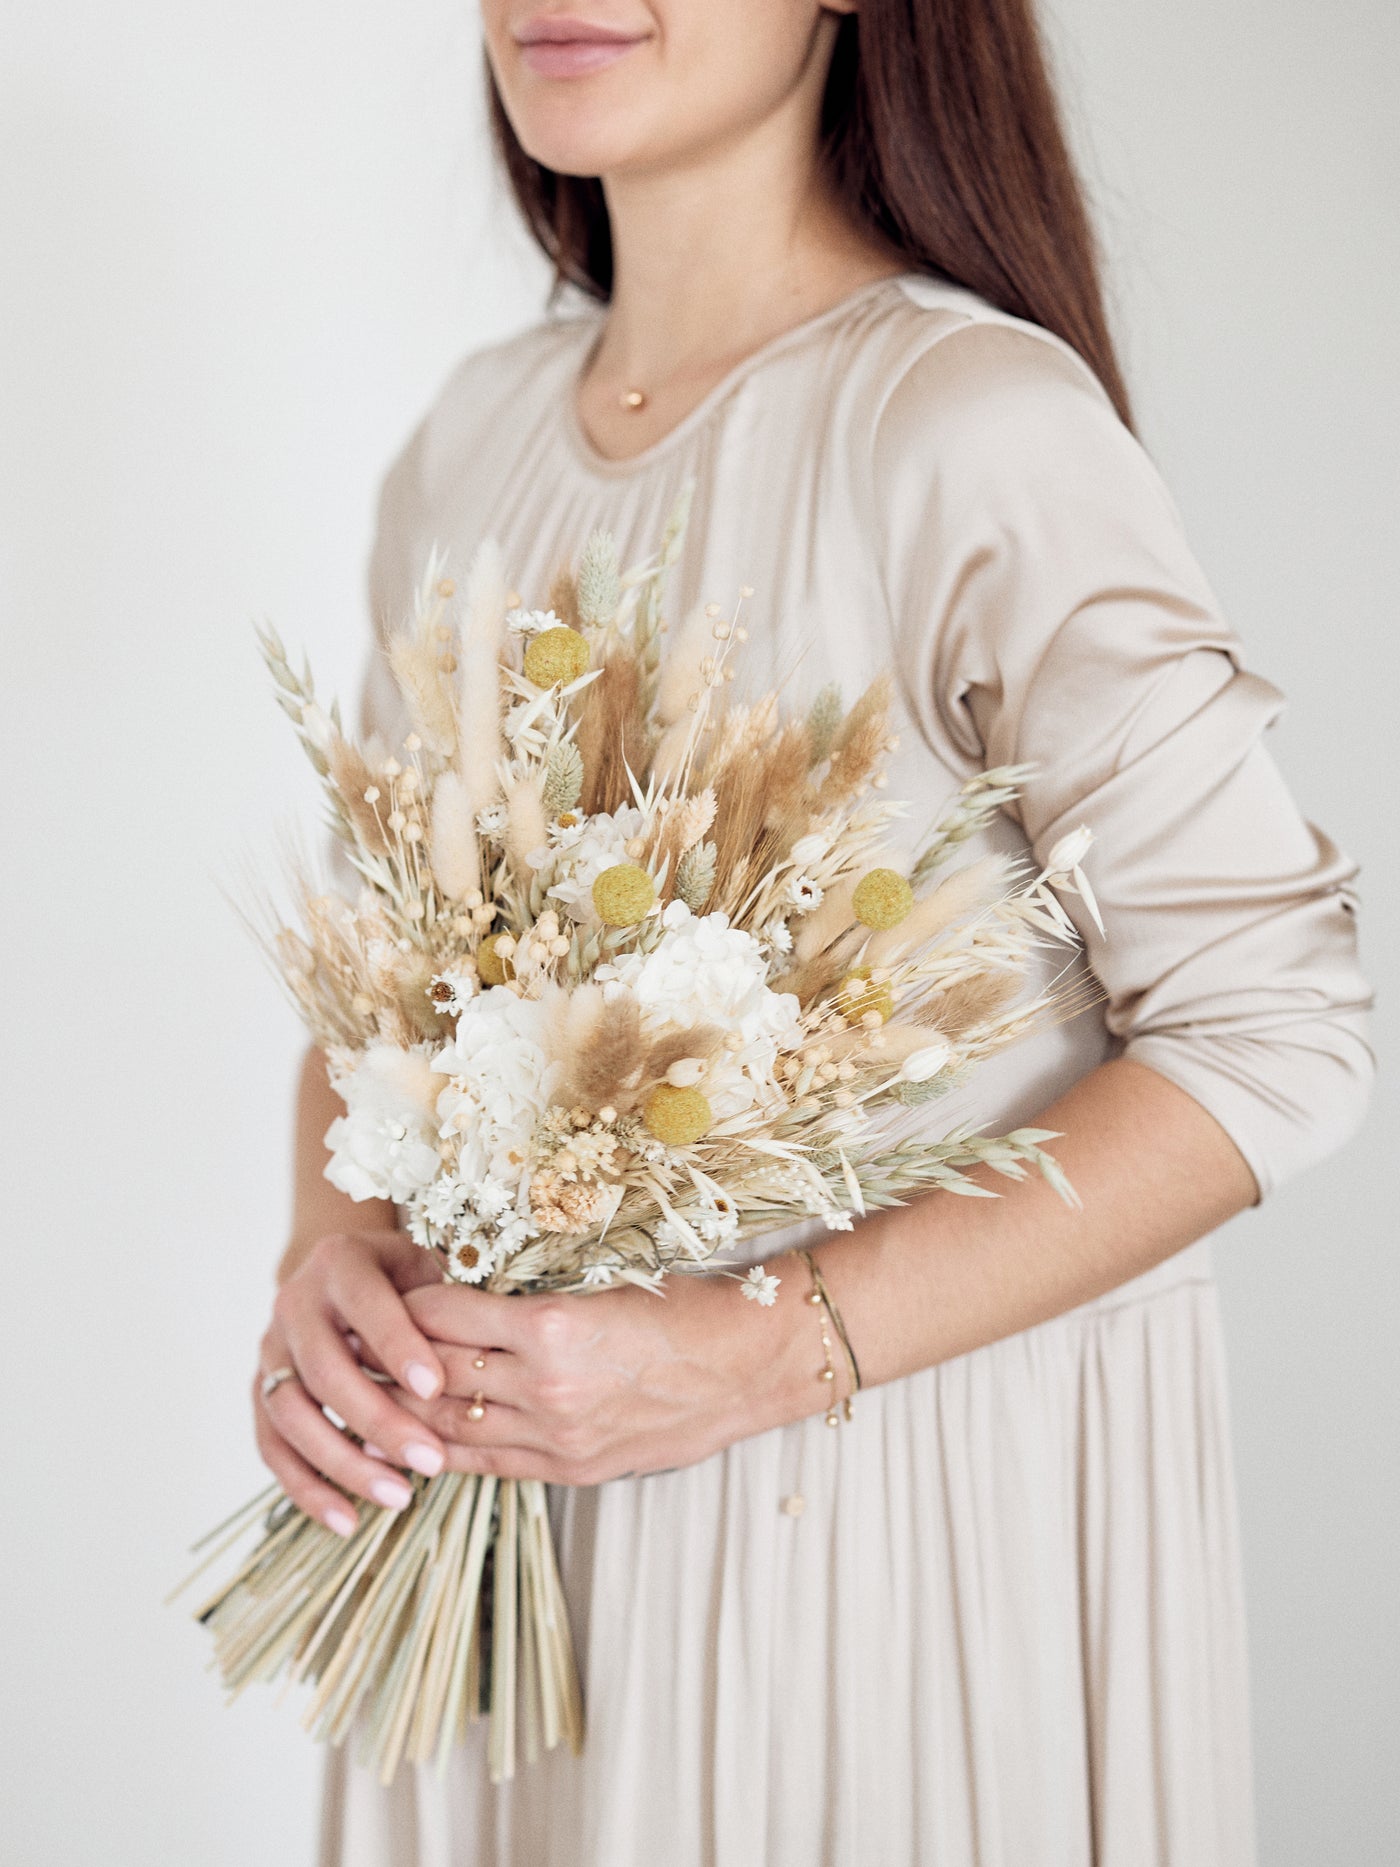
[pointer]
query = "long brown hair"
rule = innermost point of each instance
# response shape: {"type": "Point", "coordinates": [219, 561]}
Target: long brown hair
{"type": "Point", "coordinates": [941, 134]}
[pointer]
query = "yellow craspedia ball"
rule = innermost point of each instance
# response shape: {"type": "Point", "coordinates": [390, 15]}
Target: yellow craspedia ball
{"type": "Point", "coordinates": [677, 1116]}
{"type": "Point", "coordinates": [623, 895]}
{"type": "Point", "coordinates": [556, 656]}
{"type": "Point", "coordinates": [857, 996]}
{"type": "Point", "coordinates": [493, 968]}
{"type": "Point", "coordinates": [881, 899]}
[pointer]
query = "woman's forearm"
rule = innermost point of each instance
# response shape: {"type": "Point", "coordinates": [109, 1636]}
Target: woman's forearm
{"type": "Point", "coordinates": [934, 1279]}
{"type": "Point", "coordinates": [318, 1207]}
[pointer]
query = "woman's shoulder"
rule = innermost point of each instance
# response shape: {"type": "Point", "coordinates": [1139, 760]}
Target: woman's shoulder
{"type": "Point", "coordinates": [991, 409]}
{"type": "Point", "coordinates": [936, 338]}
{"type": "Point", "coordinates": [488, 392]}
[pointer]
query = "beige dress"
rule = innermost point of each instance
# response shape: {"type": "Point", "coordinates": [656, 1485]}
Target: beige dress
{"type": "Point", "coordinates": [1007, 1630]}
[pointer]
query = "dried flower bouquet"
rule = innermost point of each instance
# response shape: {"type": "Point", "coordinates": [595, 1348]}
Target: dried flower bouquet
{"type": "Point", "coordinates": [632, 972]}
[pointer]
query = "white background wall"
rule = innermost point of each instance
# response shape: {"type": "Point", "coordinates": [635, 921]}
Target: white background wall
{"type": "Point", "coordinates": [239, 247]}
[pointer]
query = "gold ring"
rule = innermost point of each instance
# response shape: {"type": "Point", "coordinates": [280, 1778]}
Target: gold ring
{"type": "Point", "coordinates": [477, 1410]}
{"type": "Point", "coordinates": [271, 1382]}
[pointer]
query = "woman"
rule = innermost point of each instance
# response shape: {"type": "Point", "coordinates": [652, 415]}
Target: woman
{"type": "Point", "coordinates": [841, 284]}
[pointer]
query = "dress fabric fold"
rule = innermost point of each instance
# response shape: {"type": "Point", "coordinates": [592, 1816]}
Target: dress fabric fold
{"type": "Point", "coordinates": [1006, 1628]}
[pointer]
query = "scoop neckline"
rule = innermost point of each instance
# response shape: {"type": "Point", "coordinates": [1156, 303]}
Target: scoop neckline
{"type": "Point", "coordinates": [626, 465]}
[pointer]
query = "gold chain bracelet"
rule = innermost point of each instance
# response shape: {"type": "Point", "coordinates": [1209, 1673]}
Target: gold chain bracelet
{"type": "Point", "coordinates": [820, 1298]}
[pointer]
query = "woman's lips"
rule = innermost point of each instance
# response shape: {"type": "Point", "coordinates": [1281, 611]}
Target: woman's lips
{"type": "Point", "coordinates": [570, 48]}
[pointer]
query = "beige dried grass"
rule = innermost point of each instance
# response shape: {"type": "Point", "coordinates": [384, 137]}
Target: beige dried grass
{"type": "Point", "coordinates": [423, 668]}
{"type": "Point", "coordinates": [452, 845]}
{"type": "Point", "coordinates": [857, 746]}
{"type": "Point", "coordinates": [967, 1003]}
{"type": "Point", "coordinates": [963, 891]}
{"type": "Point", "coordinates": [526, 828]}
{"type": "Point", "coordinates": [605, 1051]}
{"type": "Point", "coordinates": [352, 778]}
{"type": "Point", "coordinates": [563, 598]}
{"type": "Point", "coordinates": [761, 807]}
{"type": "Point", "coordinates": [679, 681]}
{"type": "Point", "coordinates": [612, 735]}
{"type": "Point", "coordinates": [479, 677]}
{"type": "Point", "coordinates": [679, 824]}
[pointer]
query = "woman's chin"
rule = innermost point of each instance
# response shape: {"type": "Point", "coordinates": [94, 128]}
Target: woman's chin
{"type": "Point", "coordinates": [571, 141]}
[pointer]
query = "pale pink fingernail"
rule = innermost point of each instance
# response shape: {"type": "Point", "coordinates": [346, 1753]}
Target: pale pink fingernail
{"type": "Point", "coordinates": [375, 1453]}
{"type": "Point", "coordinates": [343, 1522]}
{"type": "Point", "coordinates": [421, 1379]}
{"type": "Point", "coordinates": [392, 1495]}
{"type": "Point", "coordinates": [425, 1459]}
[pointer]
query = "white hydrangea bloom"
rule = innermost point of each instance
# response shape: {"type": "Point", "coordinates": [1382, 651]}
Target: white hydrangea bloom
{"type": "Point", "coordinates": [703, 971]}
{"type": "Point", "coordinates": [498, 1089]}
{"type": "Point", "coordinates": [385, 1144]}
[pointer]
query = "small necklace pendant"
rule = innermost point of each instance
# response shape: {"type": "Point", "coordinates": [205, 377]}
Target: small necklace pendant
{"type": "Point", "coordinates": [633, 399]}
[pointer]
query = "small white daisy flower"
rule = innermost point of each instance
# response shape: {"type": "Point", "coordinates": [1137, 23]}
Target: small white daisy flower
{"type": "Point", "coordinates": [442, 1202]}
{"type": "Point", "coordinates": [778, 935]}
{"type": "Point", "coordinates": [491, 1199]}
{"type": "Point", "coordinates": [460, 987]}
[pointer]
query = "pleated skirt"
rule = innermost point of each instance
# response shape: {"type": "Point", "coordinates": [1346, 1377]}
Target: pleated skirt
{"type": "Point", "coordinates": [1005, 1630]}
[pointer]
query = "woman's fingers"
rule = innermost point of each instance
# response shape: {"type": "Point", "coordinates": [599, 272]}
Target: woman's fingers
{"type": "Point", "coordinates": [491, 1371]}
{"type": "Point", "coordinates": [341, 1294]}
{"type": "Point", "coordinates": [460, 1314]}
{"type": "Point", "coordinates": [371, 1306]}
{"type": "Point", "coordinates": [332, 1376]}
{"type": "Point", "coordinates": [304, 1486]}
{"type": "Point", "coordinates": [513, 1462]}
{"type": "Point", "coordinates": [490, 1420]}
{"type": "Point", "coordinates": [328, 1451]}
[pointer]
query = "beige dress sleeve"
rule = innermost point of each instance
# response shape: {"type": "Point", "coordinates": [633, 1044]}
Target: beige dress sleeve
{"type": "Point", "coordinates": [1049, 610]}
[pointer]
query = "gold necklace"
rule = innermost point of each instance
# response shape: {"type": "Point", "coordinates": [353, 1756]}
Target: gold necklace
{"type": "Point", "coordinates": [633, 400]}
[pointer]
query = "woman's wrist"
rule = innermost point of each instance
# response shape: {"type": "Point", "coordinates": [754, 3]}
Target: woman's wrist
{"type": "Point", "coordinates": [782, 1358]}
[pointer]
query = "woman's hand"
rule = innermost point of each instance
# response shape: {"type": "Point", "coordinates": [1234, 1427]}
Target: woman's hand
{"type": "Point", "coordinates": [579, 1389]}
{"type": "Point", "coordinates": [344, 1309]}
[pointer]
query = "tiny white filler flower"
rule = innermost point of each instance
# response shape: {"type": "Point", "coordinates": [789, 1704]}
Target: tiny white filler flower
{"type": "Point", "coordinates": [761, 1285]}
